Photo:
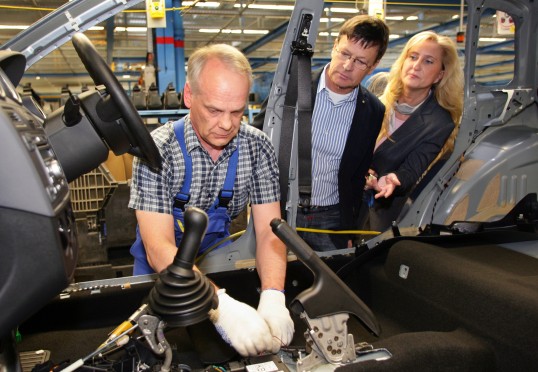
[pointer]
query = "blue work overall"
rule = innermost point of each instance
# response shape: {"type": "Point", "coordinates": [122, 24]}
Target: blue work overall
{"type": "Point", "coordinates": [219, 220]}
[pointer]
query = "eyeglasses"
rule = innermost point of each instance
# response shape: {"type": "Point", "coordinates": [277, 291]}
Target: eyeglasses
{"type": "Point", "coordinates": [344, 56]}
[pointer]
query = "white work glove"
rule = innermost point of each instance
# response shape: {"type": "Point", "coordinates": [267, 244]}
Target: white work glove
{"type": "Point", "coordinates": [272, 308]}
{"type": "Point", "coordinates": [240, 326]}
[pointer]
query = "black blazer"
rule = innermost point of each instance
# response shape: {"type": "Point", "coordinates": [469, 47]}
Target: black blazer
{"type": "Point", "coordinates": [413, 147]}
{"type": "Point", "coordinates": [358, 150]}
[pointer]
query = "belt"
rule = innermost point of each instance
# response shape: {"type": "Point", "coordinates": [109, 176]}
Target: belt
{"type": "Point", "coordinates": [305, 207]}
{"type": "Point", "coordinates": [316, 208]}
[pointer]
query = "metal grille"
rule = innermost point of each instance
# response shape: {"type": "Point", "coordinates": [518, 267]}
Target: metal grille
{"type": "Point", "coordinates": [91, 191]}
{"type": "Point", "coordinates": [29, 359]}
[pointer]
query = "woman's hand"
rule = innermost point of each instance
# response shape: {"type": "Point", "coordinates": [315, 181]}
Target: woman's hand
{"type": "Point", "coordinates": [386, 185]}
{"type": "Point", "coordinates": [371, 180]}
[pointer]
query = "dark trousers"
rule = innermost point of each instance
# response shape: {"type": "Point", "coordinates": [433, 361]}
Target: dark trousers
{"type": "Point", "coordinates": [378, 214]}
{"type": "Point", "coordinates": [324, 218]}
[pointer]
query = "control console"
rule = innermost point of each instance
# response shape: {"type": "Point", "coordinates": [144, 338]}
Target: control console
{"type": "Point", "coordinates": [37, 227]}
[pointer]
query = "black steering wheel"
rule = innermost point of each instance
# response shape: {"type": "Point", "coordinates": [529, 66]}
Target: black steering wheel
{"type": "Point", "coordinates": [141, 142]}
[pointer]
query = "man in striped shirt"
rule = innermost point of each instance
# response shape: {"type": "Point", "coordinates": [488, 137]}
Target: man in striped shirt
{"type": "Point", "coordinates": [346, 120]}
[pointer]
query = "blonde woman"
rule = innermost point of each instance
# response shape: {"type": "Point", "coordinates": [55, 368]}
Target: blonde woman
{"type": "Point", "coordinates": [424, 101]}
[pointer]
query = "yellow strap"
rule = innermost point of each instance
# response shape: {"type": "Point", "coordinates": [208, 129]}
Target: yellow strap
{"type": "Point", "coordinates": [180, 225]}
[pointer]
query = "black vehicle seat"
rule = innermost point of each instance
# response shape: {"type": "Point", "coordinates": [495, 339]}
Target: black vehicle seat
{"type": "Point", "coordinates": [171, 97]}
{"type": "Point", "coordinates": [154, 99]}
{"type": "Point", "coordinates": [138, 97]}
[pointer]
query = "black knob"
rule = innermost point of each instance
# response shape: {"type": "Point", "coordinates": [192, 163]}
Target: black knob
{"type": "Point", "coordinates": [183, 296]}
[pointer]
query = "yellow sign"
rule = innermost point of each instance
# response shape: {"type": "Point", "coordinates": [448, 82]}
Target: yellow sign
{"type": "Point", "coordinates": [156, 9]}
{"type": "Point", "coordinates": [156, 13]}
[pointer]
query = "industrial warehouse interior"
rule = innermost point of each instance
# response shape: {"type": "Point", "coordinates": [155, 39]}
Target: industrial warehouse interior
{"type": "Point", "coordinates": [89, 86]}
{"type": "Point", "coordinates": [256, 27]}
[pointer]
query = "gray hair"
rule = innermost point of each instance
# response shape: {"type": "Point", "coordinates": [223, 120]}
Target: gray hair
{"type": "Point", "coordinates": [227, 54]}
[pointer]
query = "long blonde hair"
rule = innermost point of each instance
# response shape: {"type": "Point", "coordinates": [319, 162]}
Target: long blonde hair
{"type": "Point", "coordinates": [448, 91]}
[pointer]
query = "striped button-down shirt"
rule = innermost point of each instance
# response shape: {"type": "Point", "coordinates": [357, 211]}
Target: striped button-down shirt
{"type": "Point", "coordinates": [330, 126]}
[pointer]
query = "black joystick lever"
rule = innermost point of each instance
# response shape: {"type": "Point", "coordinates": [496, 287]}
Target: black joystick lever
{"type": "Point", "coordinates": [328, 295]}
{"type": "Point", "coordinates": [182, 296]}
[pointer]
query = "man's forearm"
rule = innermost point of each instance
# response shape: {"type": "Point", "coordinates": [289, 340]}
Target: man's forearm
{"type": "Point", "coordinates": [271, 260]}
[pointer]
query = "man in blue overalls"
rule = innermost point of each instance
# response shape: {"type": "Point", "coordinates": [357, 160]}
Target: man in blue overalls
{"type": "Point", "coordinates": [199, 153]}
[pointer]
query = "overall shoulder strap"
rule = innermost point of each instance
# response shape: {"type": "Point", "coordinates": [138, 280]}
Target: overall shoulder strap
{"type": "Point", "coordinates": [183, 196]}
{"type": "Point", "coordinates": [226, 193]}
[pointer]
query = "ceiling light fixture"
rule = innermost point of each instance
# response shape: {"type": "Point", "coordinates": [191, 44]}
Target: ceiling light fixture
{"type": "Point", "coordinates": [13, 27]}
{"type": "Point", "coordinates": [394, 18]}
{"type": "Point", "coordinates": [333, 20]}
{"type": "Point", "coordinates": [265, 6]}
{"type": "Point", "coordinates": [327, 34]}
{"type": "Point", "coordinates": [233, 31]}
{"type": "Point", "coordinates": [131, 29]}
{"type": "Point", "coordinates": [411, 18]}
{"type": "Point", "coordinates": [256, 32]}
{"type": "Point", "coordinates": [24, 27]}
{"type": "Point", "coordinates": [492, 39]}
{"type": "Point", "coordinates": [202, 4]}
{"type": "Point", "coordinates": [341, 10]}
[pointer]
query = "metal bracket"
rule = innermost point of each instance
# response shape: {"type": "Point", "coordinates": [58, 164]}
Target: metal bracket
{"type": "Point", "coordinates": [300, 46]}
{"type": "Point", "coordinates": [149, 325]}
{"type": "Point", "coordinates": [72, 22]}
{"type": "Point", "coordinates": [330, 343]}
{"type": "Point", "coordinates": [516, 101]}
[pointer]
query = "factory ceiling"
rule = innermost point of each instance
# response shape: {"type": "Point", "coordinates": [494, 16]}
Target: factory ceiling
{"type": "Point", "coordinates": [254, 29]}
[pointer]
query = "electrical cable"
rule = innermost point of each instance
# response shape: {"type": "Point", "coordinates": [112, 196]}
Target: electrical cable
{"type": "Point", "coordinates": [80, 362]}
{"type": "Point", "coordinates": [301, 229]}
{"type": "Point", "coordinates": [211, 248]}
{"type": "Point", "coordinates": [350, 232]}
{"type": "Point", "coordinates": [127, 324]}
